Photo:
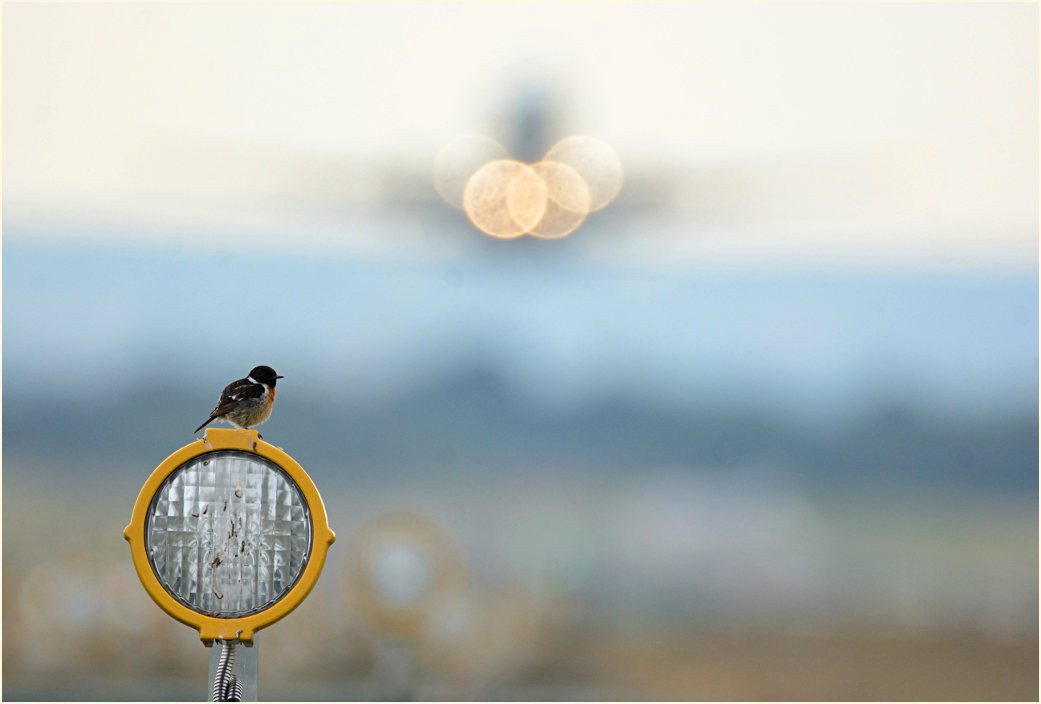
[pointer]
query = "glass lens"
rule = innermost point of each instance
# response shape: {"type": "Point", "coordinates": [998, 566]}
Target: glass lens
{"type": "Point", "coordinates": [229, 534]}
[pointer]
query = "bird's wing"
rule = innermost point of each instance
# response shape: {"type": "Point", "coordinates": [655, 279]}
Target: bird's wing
{"type": "Point", "coordinates": [235, 392]}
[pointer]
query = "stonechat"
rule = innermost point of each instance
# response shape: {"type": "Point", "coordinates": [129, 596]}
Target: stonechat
{"type": "Point", "coordinates": [246, 402]}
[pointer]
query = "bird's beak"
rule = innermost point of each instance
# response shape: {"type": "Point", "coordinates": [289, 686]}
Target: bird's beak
{"type": "Point", "coordinates": [279, 376]}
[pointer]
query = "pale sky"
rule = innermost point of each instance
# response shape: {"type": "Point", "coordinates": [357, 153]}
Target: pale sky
{"type": "Point", "coordinates": [147, 112]}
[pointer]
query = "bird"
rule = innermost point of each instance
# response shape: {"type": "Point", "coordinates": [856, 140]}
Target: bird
{"type": "Point", "coordinates": [246, 402]}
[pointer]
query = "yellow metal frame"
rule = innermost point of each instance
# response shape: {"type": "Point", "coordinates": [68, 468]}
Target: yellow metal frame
{"type": "Point", "coordinates": [212, 628]}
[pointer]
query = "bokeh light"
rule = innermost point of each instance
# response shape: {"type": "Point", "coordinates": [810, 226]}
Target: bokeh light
{"type": "Point", "coordinates": [595, 162]}
{"type": "Point", "coordinates": [568, 200]}
{"type": "Point", "coordinates": [401, 567]}
{"type": "Point", "coordinates": [506, 198]}
{"type": "Point", "coordinates": [401, 574]}
{"type": "Point", "coordinates": [459, 160]}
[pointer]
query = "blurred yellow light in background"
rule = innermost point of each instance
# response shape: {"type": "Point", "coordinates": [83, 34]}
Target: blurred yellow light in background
{"type": "Point", "coordinates": [401, 570]}
{"type": "Point", "coordinates": [595, 162]}
{"type": "Point", "coordinates": [459, 160]}
{"type": "Point", "coordinates": [506, 198]}
{"type": "Point", "coordinates": [526, 198]}
{"type": "Point", "coordinates": [568, 200]}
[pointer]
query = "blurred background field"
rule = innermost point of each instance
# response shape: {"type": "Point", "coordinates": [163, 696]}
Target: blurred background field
{"type": "Point", "coordinates": [763, 427]}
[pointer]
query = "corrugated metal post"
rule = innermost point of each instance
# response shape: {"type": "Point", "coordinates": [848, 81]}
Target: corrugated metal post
{"type": "Point", "coordinates": [242, 665]}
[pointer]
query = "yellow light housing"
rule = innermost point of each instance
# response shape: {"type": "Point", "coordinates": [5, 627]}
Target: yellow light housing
{"type": "Point", "coordinates": [229, 534]}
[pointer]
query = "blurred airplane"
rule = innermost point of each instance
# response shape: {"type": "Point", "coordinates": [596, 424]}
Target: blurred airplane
{"type": "Point", "coordinates": [244, 183]}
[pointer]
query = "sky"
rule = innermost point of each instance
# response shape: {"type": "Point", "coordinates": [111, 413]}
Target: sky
{"type": "Point", "coordinates": [876, 131]}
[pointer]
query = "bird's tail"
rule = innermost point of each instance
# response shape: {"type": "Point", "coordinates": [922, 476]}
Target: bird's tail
{"type": "Point", "coordinates": [208, 421]}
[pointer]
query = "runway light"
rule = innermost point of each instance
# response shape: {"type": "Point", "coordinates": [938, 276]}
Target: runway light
{"type": "Point", "coordinates": [402, 570]}
{"type": "Point", "coordinates": [228, 534]}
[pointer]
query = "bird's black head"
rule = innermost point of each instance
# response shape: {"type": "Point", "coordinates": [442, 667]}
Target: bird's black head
{"type": "Point", "coordinates": [265, 375]}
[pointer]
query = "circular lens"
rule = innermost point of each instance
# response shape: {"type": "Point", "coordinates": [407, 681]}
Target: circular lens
{"type": "Point", "coordinates": [228, 534]}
